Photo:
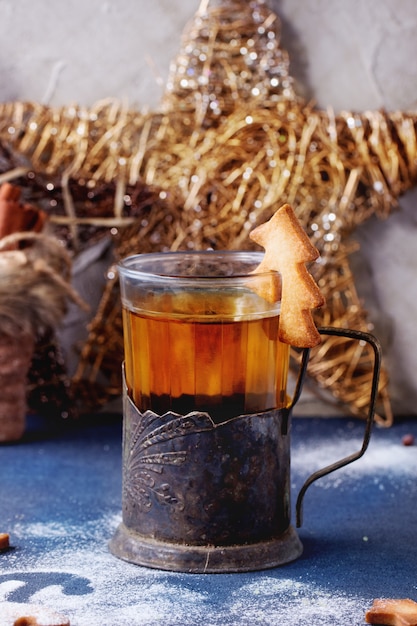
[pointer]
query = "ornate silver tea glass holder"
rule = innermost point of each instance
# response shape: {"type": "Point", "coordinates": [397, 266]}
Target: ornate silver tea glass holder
{"type": "Point", "coordinates": [202, 497]}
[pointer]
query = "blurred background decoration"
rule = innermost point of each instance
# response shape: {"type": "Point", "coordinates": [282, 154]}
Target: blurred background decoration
{"type": "Point", "coordinates": [232, 136]}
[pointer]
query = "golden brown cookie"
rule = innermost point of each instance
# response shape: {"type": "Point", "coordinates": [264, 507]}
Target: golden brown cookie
{"type": "Point", "coordinates": [287, 250]}
{"type": "Point", "coordinates": [16, 614]}
{"type": "Point", "coordinates": [392, 612]}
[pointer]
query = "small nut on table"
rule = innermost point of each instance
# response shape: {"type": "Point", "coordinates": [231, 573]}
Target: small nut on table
{"type": "Point", "coordinates": [408, 440]}
{"type": "Point", "coordinates": [4, 541]}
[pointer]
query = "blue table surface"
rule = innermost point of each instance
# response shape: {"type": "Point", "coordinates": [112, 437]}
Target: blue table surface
{"type": "Point", "coordinates": [60, 501]}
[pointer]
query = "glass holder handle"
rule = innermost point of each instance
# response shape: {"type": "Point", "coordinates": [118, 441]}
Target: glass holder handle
{"type": "Point", "coordinates": [374, 343]}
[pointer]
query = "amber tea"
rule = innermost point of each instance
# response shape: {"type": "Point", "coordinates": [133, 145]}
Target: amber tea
{"type": "Point", "coordinates": [203, 341]}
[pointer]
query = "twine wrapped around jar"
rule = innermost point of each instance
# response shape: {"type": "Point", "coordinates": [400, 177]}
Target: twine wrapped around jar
{"type": "Point", "coordinates": [35, 271]}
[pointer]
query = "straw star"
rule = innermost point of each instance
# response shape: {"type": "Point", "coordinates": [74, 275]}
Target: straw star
{"type": "Point", "coordinates": [230, 142]}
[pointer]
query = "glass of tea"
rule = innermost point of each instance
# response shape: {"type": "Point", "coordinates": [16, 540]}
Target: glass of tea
{"type": "Point", "coordinates": [206, 416]}
{"type": "Point", "coordinates": [198, 337]}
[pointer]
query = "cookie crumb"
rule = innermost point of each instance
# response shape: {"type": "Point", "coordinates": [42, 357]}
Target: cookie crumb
{"type": "Point", "coordinates": [4, 541]}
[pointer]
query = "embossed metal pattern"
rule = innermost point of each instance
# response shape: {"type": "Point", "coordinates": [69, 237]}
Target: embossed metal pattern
{"type": "Point", "coordinates": [188, 480]}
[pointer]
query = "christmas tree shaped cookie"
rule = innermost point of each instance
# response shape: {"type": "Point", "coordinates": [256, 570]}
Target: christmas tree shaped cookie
{"type": "Point", "coordinates": [287, 250]}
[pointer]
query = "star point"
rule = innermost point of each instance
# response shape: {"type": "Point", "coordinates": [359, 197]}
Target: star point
{"type": "Point", "coordinates": [225, 148]}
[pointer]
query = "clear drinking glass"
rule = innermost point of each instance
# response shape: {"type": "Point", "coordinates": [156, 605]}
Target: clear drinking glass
{"type": "Point", "coordinates": [198, 337]}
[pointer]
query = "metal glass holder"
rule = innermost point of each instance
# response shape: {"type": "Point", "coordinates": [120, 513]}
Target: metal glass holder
{"type": "Point", "coordinates": [203, 497]}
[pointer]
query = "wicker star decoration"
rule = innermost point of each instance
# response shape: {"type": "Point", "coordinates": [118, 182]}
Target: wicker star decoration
{"type": "Point", "coordinates": [230, 142]}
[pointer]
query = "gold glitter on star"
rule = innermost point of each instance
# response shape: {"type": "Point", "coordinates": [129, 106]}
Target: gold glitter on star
{"type": "Point", "coordinates": [230, 142]}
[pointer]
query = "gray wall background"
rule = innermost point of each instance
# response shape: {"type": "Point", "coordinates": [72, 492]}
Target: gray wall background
{"type": "Point", "coordinates": [352, 55]}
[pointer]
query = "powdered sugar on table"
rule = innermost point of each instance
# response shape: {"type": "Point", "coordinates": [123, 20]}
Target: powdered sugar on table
{"type": "Point", "coordinates": [63, 505]}
{"type": "Point", "coordinates": [110, 592]}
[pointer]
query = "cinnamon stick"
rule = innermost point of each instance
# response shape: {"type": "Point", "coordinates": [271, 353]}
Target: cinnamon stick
{"type": "Point", "coordinates": [16, 216]}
